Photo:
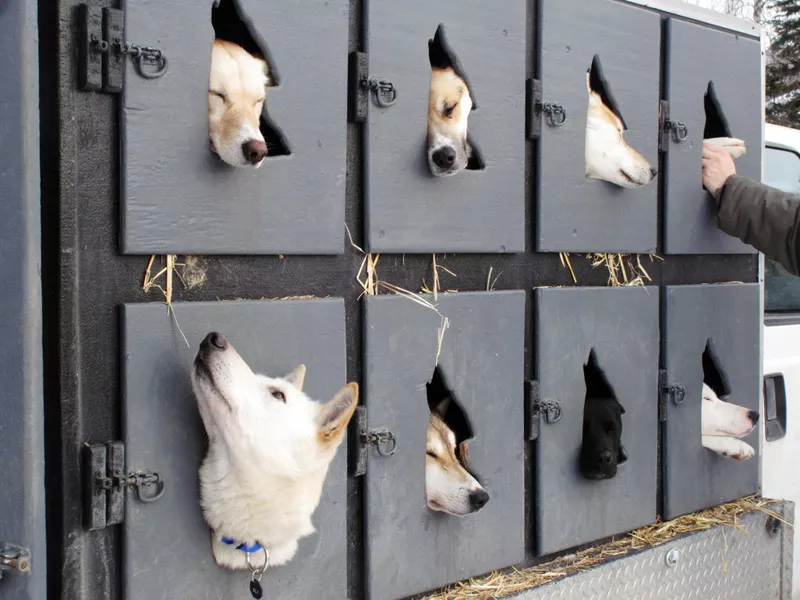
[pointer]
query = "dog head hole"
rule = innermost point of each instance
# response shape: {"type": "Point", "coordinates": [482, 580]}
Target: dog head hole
{"type": "Point", "coordinates": [450, 487]}
{"type": "Point", "coordinates": [240, 129]}
{"type": "Point", "coordinates": [716, 125]}
{"type": "Point", "coordinates": [713, 374]}
{"type": "Point", "coordinates": [608, 156]}
{"type": "Point", "coordinates": [450, 148]}
{"type": "Point", "coordinates": [602, 450]}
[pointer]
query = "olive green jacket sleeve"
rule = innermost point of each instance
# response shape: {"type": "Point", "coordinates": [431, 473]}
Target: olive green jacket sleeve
{"type": "Point", "coordinates": [764, 217]}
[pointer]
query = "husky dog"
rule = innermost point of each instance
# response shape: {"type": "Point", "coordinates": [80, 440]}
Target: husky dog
{"type": "Point", "coordinates": [724, 423]}
{"type": "Point", "coordinates": [608, 156]}
{"type": "Point", "coordinates": [236, 94]}
{"type": "Point", "coordinates": [450, 148]}
{"type": "Point", "coordinates": [269, 448]}
{"type": "Point", "coordinates": [449, 486]}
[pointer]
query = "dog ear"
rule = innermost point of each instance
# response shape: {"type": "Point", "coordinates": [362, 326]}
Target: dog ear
{"type": "Point", "coordinates": [474, 158]}
{"type": "Point", "coordinates": [442, 406]}
{"type": "Point", "coordinates": [336, 413]}
{"type": "Point", "coordinates": [463, 449]}
{"type": "Point", "coordinates": [296, 377]}
{"type": "Point", "coordinates": [438, 53]}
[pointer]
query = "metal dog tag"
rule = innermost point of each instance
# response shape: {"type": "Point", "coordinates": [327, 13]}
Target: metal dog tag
{"type": "Point", "coordinates": [255, 589]}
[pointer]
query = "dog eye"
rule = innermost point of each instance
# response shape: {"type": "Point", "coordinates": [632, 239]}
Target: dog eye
{"type": "Point", "coordinates": [277, 394]}
{"type": "Point", "coordinates": [431, 454]}
{"type": "Point", "coordinates": [448, 110]}
{"type": "Point", "coordinates": [217, 94]}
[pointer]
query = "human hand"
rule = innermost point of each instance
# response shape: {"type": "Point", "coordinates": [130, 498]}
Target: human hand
{"type": "Point", "coordinates": [717, 167]}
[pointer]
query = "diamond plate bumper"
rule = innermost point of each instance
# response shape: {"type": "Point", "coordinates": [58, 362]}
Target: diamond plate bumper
{"type": "Point", "coordinates": [722, 563]}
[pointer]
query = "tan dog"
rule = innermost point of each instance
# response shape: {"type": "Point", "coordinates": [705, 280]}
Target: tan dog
{"type": "Point", "coordinates": [450, 149]}
{"type": "Point", "coordinates": [608, 156]}
{"type": "Point", "coordinates": [269, 449]}
{"type": "Point", "coordinates": [449, 487]}
{"type": "Point", "coordinates": [236, 94]}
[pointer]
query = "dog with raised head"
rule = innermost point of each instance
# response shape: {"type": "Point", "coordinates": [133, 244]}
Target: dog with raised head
{"type": "Point", "coordinates": [236, 95]}
{"type": "Point", "coordinates": [450, 148]}
{"type": "Point", "coordinates": [269, 449]}
{"type": "Point", "coordinates": [449, 486]}
{"type": "Point", "coordinates": [601, 446]}
{"type": "Point", "coordinates": [608, 156]}
{"type": "Point", "coordinates": [723, 424]}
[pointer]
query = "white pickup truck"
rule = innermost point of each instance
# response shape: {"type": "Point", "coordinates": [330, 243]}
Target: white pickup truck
{"type": "Point", "coordinates": [780, 473]}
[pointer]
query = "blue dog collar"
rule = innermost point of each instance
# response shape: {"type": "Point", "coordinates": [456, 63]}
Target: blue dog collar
{"type": "Point", "coordinates": [249, 548]}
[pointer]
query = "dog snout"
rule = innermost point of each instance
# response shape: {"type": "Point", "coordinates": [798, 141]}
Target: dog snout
{"type": "Point", "coordinates": [214, 340]}
{"type": "Point", "coordinates": [753, 416]}
{"type": "Point", "coordinates": [653, 173]}
{"type": "Point", "coordinates": [478, 499]}
{"type": "Point", "coordinates": [254, 151]}
{"type": "Point", "coordinates": [444, 157]}
{"type": "Point", "coordinates": [606, 457]}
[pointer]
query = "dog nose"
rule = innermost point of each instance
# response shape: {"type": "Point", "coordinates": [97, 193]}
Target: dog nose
{"type": "Point", "coordinates": [478, 499]}
{"type": "Point", "coordinates": [217, 340]}
{"type": "Point", "coordinates": [606, 457]}
{"type": "Point", "coordinates": [444, 157]}
{"type": "Point", "coordinates": [653, 173]}
{"type": "Point", "coordinates": [254, 151]}
{"type": "Point", "coordinates": [753, 416]}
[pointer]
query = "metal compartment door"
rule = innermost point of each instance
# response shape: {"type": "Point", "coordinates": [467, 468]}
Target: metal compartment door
{"type": "Point", "coordinates": [621, 325]}
{"type": "Point", "coordinates": [728, 315]}
{"type": "Point", "coordinates": [167, 550]}
{"type": "Point", "coordinates": [179, 198]}
{"type": "Point", "coordinates": [410, 548]}
{"type": "Point", "coordinates": [576, 214]}
{"type": "Point", "coordinates": [408, 209]}
{"type": "Point", "coordinates": [696, 55]}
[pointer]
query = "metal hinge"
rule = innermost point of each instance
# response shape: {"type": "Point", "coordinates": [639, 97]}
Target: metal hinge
{"type": "Point", "coordinates": [14, 558]}
{"type": "Point", "coordinates": [384, 441]}
{"type": "Point", "coordinates": [362, 86]}
{"type": "Point", "coordinates": [668, 127]}
{"type": "Point", "coordinates": [103, 51]}
{"type": "Point", "coordinates": [535, 107]}
{"type": "Point", "coordinates": [106, 480]}
{"type": "Point", "coordinates": [549, 410]}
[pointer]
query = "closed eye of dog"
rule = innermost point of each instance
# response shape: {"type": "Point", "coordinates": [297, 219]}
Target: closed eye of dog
{"type": "Point", "coordinates": [447, 111]}
{"type": "Point", "coordinates": [431, 454]}
{"type": "Point", "coordinates": [217, 94]}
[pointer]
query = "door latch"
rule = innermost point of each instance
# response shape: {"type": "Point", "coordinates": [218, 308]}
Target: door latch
{"type": "Point", "coordinates": [103, 51]}
{"type": "Point", "coordinates": [106, 480]}
{"type": "Point", "coordinates": [14, 558]}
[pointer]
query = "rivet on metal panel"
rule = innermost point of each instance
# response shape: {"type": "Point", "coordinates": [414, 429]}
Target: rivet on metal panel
{"type": "Point", "coordinates": [14, 558]}
{"type": "Point", "coordinates": [773, 526]}
{"type": "Point", "coordinates": [672, 557]}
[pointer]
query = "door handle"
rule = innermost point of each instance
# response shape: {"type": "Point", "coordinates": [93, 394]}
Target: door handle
{"type": "Point", "coordinates": [774, 407]}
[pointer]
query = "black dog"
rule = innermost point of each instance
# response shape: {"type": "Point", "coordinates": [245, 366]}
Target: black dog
{"type": "Point", "coordinates": [602, 450]}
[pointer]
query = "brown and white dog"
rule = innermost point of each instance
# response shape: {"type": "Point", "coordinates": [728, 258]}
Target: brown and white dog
{"type": "Point", "coordinates": [450, 149]}
{"type": "Point", "coordinates": [608, 156]}
{"type": "Point", "coordinates": [724, 423]}
{"type": "Point", "coordinates": [269, 449]}
{"type": "Point", "coordinates": [449, 486]}
{"type": "Point", "coordinates": [236, 94]}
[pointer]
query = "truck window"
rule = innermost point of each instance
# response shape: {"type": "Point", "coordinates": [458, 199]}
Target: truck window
{"type": "Point", "coordinates": [781, 290]}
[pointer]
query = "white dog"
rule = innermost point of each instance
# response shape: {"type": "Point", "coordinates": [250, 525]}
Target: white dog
{"type": "Point", "coordinates": [724, 423]}
{"type": "Point", "coordinates": [608, 156]}
{"type": "Point", "coordinates": [269, 448]}
{"type": "Point", "coordinates": [236, 95]}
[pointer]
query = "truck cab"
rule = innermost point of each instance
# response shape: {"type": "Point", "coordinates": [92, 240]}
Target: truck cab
{"type": "Point", "coordinates": [781, 361]}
